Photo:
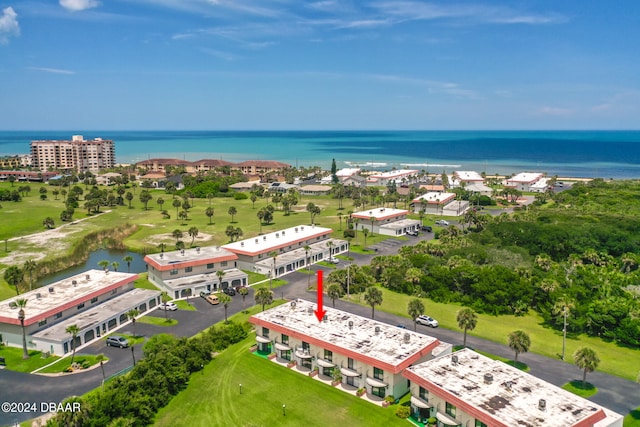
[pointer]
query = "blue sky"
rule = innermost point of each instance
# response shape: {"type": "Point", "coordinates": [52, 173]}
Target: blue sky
{"type": "Point", "coordinates": [327, 64]}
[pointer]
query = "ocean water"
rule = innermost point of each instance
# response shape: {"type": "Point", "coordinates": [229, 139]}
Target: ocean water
{"type": "Point", "coordinates": [603, 154]}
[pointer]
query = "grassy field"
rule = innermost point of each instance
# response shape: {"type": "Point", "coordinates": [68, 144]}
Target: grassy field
{"type": "Point", "coordinates": [213, 398]}
{"type": "Point", "coordinates": [65, 363]}
{"type": "Point", "coordinates": [632, 419]}
{"type": "Point", "coordinates": [617, 360]}
{"type": "Point", "coordinates": [158, 321]}
{"type": "Point", "coordinates": [14, 361]}
{"type": "Point", "coordinates": [576, 387]}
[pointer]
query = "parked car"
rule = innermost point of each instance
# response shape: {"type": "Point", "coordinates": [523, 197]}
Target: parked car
{"type": "Point", "coordinates": [237, 288]}
{"type": "Point", "coordinates": [427, 321]}
{"type": "Point", "coordinates": [170, 306]}
{"type": "Point", "coordinates": [204, 294]}
{"type": "Point", "coordinates": [442, 222]}
{"type": "Point", "coordinates": [229, 291]}
{"type": "Point", "coordinates": [212, 299]}
{"type": "Point", "coordinates": [401, 326]}
{"type": "Point", "coordinates": [412, 233]}
{"type": "Point", "coordinates": [117, 341]}
{"type": "Point", "coordinates": [334, 260]}
{"type": "Point", "coordinates": [427, 228]}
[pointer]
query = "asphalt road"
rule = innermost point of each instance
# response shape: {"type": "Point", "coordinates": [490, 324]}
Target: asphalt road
{"type": "Point", "coordinates": [614, 393]}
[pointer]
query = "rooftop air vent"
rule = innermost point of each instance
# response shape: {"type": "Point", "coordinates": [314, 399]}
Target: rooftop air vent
{"type": "Point", "coordinates": [542, 404]}
{"type": "Point", "coordinates": [264, 237]}
{"type": "Point", "coordinates": [74, 282]}
{"type": "Point", "coordinates": [407, 337]}
{"type": "Point", "coordinates": [283, 233]}
{"type": "Point", "coordinates": [325, 317]}
{"type": "Point", "coordinates": [242, 244]}
{"type": "Point", "coordinates": [309, 311]}
{"type": "Point", "coordinates": [38, 295]}
{"type": "Point", "coordinates": [488, 378]}
{"type": "Point", "coordinates": [370, 213]}
{"type": "Point", "coordinates": [377, 330]}
{"type": "Point", "coordinates": [161, 255]}
{"type": "Point", "coordinates": [508, 385]}
{"type": "Point", "coordinates": [302, 228]}
{"type": "Point", "coordinates": [277, 235]}
{"type": "Point", "coordinates": [350, 324]}
{"type": "Point", "coordinates": [51, 289]}
{"type": "Point", "coordinates": [293, 305]}
{"type": "Point", "coordinates": [257, 241]}
{"type": "Point", "coordinates": [296, 229]}
{"type": "Point", "coordinates": [454, 359]}
{"type": "Point", "coordinates": [87, 277]}
{"type": "Point", "coordinates": [181, 251]}
{"type": "Point", "coordinates": [198, 249]}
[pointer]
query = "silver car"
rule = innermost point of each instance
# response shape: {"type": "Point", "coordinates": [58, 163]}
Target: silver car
{"type": "Point", "coordinates": [427, 321]}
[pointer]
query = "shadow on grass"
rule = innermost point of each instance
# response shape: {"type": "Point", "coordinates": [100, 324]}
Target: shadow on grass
{"type": "Point", "coordinates": [635, 414]}
{"type": "Point", "coordinates": [581, 389]}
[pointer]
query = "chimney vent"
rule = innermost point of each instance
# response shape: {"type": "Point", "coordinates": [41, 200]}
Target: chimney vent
{"type": "Point", "coordinates": [542, 404]}
{"type": "Point", "coordinates": [454, 359]}
{"type": "Point", "coordinates": [38, 295]}
{"type": "Point", "coordinates": [407, 337]}
{"type": "Point", "coordinates": [74, 282]}
{"type": "Point", "coordinates": [51, 289]}
{"type": "Point", "coordinates": [350, 324]}
{"type": "Point", "coordinates": [87, 277]}
{"type": "Point", "coordinates": [488, 378]}
{"type": "Point", "coordinates": [377, 330]}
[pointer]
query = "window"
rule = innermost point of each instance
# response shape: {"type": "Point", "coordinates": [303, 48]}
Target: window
{"type": "Point", "coordinates": [223, 264]}
{"type": "Point", "coordinates": [378, 373]}
{"type": "Point", "coordinates": [94, 300]}
{"type": "Point", "coordinates": [328, 355]}
{"type": "Point", "coordinates": [350, 363]}
{"type": "Point", "coordinates": [284, 339]}
{"type": "Point", "coordinates": [209, 266]}
{"type": "Point", "coordinates": [265, 332]}
{"type": "Point", "coordinates": [115, 291]}
{"type": "Point", "coordinates": [188, 269]}
{"type": "Point", "coordinates": [450, 410]}
{"type": "Point", "coordinates": [480, 424]}
{"type": "Point", "coordinates": [81, 306]}
{"type": "Point", "coordinates": [306, 346]}
{"type": "Point", "coordinates": [173, 272]}
{"type": "Point", "coordinates": [42, 322]}
{"type": "Point", "coordinates": [424, 394]}
{"type": "Point", "coordinates": [58, 315]}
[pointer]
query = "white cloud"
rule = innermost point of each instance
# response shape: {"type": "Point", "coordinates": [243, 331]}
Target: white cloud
{"type": "Point", "coordinates": [9, 25]}
{"type": "Point", "coordinates": [52, 70]}
{"type": "Point", "coordinates": [555, 111]}
{"type": "Point", "coordinates": [77, 5]}
{"type": "Point", "coordinates": [219, 54]}
{"type": "Point", "coordinates": [432, 86]}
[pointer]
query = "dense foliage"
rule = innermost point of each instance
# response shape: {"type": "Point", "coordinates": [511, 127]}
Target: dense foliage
{"type": "Point", "coordinates": [134, 399]}
{"type": "Point", "coordinates": [579, 255]}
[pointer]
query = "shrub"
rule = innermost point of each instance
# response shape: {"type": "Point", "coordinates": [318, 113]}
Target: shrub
{"type": "Point", "coordinates": [390, 399]}
{"type": "Point", "coordinates": [349, 233]}
{"type": "Point", "coordinates": [403, 411]}
{"type": "Point", "coordinates": [240, 196]}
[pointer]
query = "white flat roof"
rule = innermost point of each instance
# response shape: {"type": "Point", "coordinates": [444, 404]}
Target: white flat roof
{"type": "Point", "coordinates": [63, 294]}
{"type": "Point", "coordinates": [393, 174]}
{"type": "Point", "coordinates": [276, 240]}
{"type": "Point", "coordinates": [203, 279]}
{"type": "Point", "coordinates": [189, 257]}
{"type": "Point", "coordinates": [379, 213]}
{"type": "Point", "coordinates": [346, 172]}
{"type": "Point", "coordinates": [434, 197]}
{"type": "Point", "coordinates": [526, 177]}
{"type": "Point", "coordinates": [98, 314]}
{"type": "Point", "coordinates": [468, 176]}
{"type": "Point", "coordinates": [366, 340]}
{"type": "Point", "coordinates": [512, 397]}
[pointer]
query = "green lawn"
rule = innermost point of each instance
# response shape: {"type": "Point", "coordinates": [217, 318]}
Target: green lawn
{"type": "Point", "coordinates": [63, 364]}
{"type": "Point", "coordinates": [616, 360]}
{"type": "Point", "coordinates": [14, 361]}
{"type": "Point", "coordinates": [184, 305]}
{"type": "Point", "coordinates": [144, 283]}
{"type": "Point", "coordinates": [576, 387]}
{"type": "Point", "coordinates": [633, 418]}
{"type": "Point", "coordinates": [158, 321]}
{"type": "Point", "coordinates": [213, 398]}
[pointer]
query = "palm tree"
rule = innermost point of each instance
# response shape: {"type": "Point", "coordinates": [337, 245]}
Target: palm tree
{"type": "Point", "coordinates": [209, 212]}
{"type": "Point", "coordinates": [128, 260]}
{"type": "Point", "coordinates": [467, 320]}
{"type": "Point", "coordinates": [244, 292]}
{"type": "Point", "coordinates": [21, 303]}
{"type": "Point", "coordinates": [263, 296]}
{"type": "Point", "coordinates": [225, 300]}
{"type": "Point", "coordinates": [220, 274]}
{"type": "Point", "coordinates": [115, 265]}
{"type": "Point", "coordinates": [519, 342]}
{"type": "Point", "coordinates": [176, 204]}
{"type": "Point", "coordinates": [131, 314]}
{"type": "Point", "coordinates": [30, 267]}
{"type": "Point", "coordinates": [373, 297]}
{"type": "Point", "coordinates": [274, 255]}
{"type": "Point", "coordinates": [415, 309]}
{"type": "Point", "coordinates": [177, 234]}
{"type": "Point", "coordinates": [13, 276]}
{"type": "Point", "coordinates": [193, 232]}
{"type": "Point", "coordinates": [73, 330]}
{"type": "Point", "coordinates": [232, 211]}
{"type": "Point", "coordinates": [307, 249]}
{"type": "Point", "coordinates": [100, 359]}
{"type": "Point", "coordinates": [104, 264]}
{"type": "Point", "coordinates": [334, 291]}
{"type": "Point", "coordinates": [165, 298]}
{"type": "Point", "coordinates": [365, 233]}
{"type": "Point", "coordinates": [586, 359]}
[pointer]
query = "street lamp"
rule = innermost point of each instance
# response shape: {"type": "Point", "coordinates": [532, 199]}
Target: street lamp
{"type": "Point", "coordinates": [133, 356]}
{"type": "Point", "coordinates": [284, 410]}
{"type": "Point", "coordinates": [348, 279]}
{"type": "Point", "coordinates": [240, 388]}
{"type": "Point", "coordinates": [21, 317]}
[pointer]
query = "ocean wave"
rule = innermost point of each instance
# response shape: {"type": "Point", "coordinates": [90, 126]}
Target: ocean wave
{"type": "Point", "coordinates": [369, 164]}
{"type": "Point", "coordinates": [430, 164]}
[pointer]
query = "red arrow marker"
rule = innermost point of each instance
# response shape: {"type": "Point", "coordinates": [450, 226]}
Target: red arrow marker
{"type": "Point", "coordinates": [320, 311]}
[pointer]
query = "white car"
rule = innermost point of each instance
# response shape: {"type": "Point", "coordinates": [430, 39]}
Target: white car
{"type": "Point", "coordinates": [334, 260]}
{"type": "Point", "coordinates": [427, 321]}
{"type": "Point", "coordinates": [442, 222]}
{"type": "Point", "coordinates": [168, 306]}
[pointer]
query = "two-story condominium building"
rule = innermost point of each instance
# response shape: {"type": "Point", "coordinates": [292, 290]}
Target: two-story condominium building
{"type": "Point", "coordinates": [386, 221]}
{"type": "Point", "coordinates": [77, 154]}
{"type": "Point", "coordinates": [190, 271]}
{"type": "Point", "coordinates": [400, 176]}
{"type": "Point", "coordinates": [369, 354]}
{"type": "Point", "coordinates": [284, 251]}
{"type": "Point", "coordinates": [524, 181]}
{"type": "Point", "coordinates": [468, 389]}
{"type": "Point", "coordinates": [463, 178]}
{"type": "Point", "coordinates": [96, 301]}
